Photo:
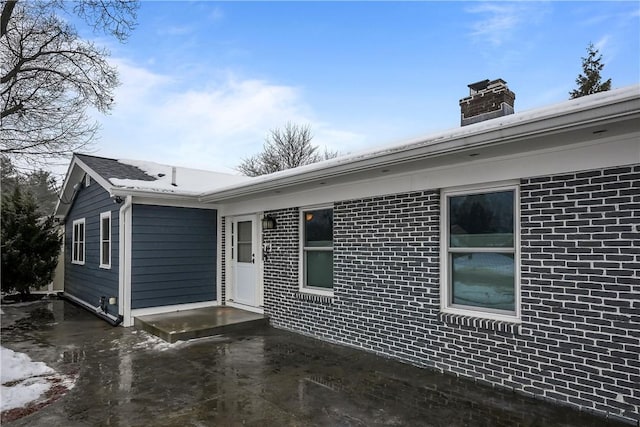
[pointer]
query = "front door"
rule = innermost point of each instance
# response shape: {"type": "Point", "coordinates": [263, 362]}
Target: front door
{"type": "Point", "coordinates": [245, 267]}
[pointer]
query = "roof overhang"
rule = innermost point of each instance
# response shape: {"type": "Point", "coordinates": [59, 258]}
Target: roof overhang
{"type": "Point", "coordinates": [577, 121]}
{"type": "Point", "coordinates": [76, 174]}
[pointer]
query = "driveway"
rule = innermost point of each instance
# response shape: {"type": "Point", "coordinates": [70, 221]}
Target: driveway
{"type": "Point", "coordinates": [267, 377]}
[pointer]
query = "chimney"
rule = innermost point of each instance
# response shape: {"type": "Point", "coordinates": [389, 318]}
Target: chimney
{"type": "Point", "coordinates": [487, 100]}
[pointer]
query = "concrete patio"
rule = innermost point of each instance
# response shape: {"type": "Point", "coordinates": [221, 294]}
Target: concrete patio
{"type": "Point", "coordinates": [199, 323]}
{"type": "Point", "coordinates": [257, 377]}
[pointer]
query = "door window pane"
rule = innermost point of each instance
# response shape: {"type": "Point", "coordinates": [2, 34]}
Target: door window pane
{"type": "Point", "coordinates": [244, 231]}
{"type": "Point", "coordinates": [245, 247]}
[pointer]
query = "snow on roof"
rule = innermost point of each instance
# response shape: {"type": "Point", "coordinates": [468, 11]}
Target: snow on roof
{"type": "Point", "coordinates": [503, 122]}
{"type": "Point", "coordinates": [187, 181]}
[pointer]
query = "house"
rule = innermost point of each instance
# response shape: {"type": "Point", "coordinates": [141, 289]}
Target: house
{"type": "Point", "coordinates": [506, 250]}
{"type": "Point", "coordinates": [136, 239]}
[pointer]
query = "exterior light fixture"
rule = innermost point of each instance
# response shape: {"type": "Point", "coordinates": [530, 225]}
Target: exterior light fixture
{"type": "Point", "coordinates": [268, 222]}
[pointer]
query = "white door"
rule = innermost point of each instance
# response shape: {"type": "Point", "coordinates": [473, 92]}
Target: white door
{"type": "Point", "coordinates": [245, 261]}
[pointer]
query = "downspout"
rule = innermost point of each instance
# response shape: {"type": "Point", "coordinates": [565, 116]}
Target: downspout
{"type": "Point", "coordinates": [99, 311]}
{"type": "Point", "coordinates": [124, 288]}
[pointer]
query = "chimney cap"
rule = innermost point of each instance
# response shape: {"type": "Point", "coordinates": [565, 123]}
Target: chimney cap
{"type": "Point", "coordinates": [478, 86]}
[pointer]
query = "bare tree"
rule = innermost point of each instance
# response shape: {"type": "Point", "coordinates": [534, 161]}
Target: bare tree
{"type": "Point", "coordinates": [284, 148]}
{"type": "Point", "coordinates": [49, 77]}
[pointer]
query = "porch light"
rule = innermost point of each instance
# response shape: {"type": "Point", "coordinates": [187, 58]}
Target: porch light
{"type": "Point", "coordinates": [268, 222]}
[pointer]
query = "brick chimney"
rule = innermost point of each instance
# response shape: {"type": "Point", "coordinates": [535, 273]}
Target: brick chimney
{"type": "Point", "coordinates": [487, 100]}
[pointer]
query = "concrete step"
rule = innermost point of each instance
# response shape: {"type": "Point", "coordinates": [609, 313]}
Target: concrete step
{"type": "Point", "coordinates": [199, 323]}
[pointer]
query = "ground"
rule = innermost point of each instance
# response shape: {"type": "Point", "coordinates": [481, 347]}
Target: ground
{"type": "Point", "coordinates": [267, 377]}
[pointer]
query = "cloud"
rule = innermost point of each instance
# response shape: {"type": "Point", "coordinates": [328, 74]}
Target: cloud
{"type": "Point", "coordinates": [211, 127]}
{"type": "Point", "coordinates": [498, 22]}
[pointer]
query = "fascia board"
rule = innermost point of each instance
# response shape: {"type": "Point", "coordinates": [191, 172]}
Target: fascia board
{"type": "Point", "coordinates": [503, 132]}
{"type": "Point", "coordinates": [69, 180]}
{"type": "Point", "coordinates": [119, 191]}
{"type": "Point", "coordinates": [95, 176]}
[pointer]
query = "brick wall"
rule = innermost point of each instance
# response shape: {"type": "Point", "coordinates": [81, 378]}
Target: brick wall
{"type": "Point", "coordinates": [579, 339]}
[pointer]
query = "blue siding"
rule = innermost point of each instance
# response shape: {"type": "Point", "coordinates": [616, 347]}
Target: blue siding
{"type": "Point", "coordinates": [89, 282]}
{"type": "Point", "coordinates": [173, 257]}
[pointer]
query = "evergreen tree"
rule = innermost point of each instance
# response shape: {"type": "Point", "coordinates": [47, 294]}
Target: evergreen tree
{"type": "Point", "coordinates": [591, 81]}
{"type": "Point", "coordinates": [30, 244]}
{"type": "Point", "coordinates": [40, 183]}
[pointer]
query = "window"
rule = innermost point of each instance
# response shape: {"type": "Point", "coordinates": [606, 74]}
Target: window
{"type": "Point", "coordinates": [105, 240]}
{"type": "Point", "coordinates": [480, 253]}
{"type": "Point", "coordinates": [77, 247]}
{"type": "Point", "coordinates": [317, 250]}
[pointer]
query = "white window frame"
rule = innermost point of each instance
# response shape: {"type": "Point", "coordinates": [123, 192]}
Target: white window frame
{"type": "Point", "coordinates": [302, 264]}
{"type": "Point", "coordinates": [445, 268]}
{"type": "Point", "coordinates": [103, 216]}
{"type": "Point", "coordinates": [75, 242]}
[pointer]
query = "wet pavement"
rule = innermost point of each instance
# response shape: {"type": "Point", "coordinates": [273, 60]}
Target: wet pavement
{"type": "Point", "coordinates": [265, 377]}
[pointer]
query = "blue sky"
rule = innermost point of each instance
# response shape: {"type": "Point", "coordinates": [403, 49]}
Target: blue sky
{"type": "Point", "coordinates": [204, 82]}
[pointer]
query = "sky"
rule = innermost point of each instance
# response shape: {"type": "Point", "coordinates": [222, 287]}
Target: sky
{"type": "Point", "coordinates": [203, 82]}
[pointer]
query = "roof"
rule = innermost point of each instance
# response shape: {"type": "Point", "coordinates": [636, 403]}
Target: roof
{"type": "Point", "coordinates": [121, 177]}
{"type": "Point", "coordinates": [566, 123]}
{"type": "Point", "coordinates": [580, 120]}
{"type": "Point", "coordinates": [112, 168]}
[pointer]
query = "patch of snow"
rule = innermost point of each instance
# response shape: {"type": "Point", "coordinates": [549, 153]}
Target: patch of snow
{"type": "Point", "coordinates": [25, 381]}
{"type": "Point", "coordinates": [19, 366]}
{"type": "Point", "coordinates": [188, 181]}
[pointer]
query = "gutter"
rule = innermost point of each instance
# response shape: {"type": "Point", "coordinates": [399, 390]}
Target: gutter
{"type": "Point", "coordinates": [502, 131]}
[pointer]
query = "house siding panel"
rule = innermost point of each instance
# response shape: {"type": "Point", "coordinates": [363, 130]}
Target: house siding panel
{"type": "Point", "coordinates": [173, 259]}
{"type": "Point", "coordinates": [578, 340]}
{"type": "Point", "coordinates": [89, 282]}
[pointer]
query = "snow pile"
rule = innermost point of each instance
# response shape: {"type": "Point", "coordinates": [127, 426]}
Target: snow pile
{"type": "Point", "coordinates": [188, 181]}
{"type": "Point", "coordinates": [25, 381]}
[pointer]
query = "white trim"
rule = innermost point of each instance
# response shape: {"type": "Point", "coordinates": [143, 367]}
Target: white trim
{"type": "Point", "coordinates": [301, 251]}
{"type": "Point", "coordinates": [552, 126]}
{"type": "Point", "coordinates": [229, 272]}
{"type": "Point", "coordinates": [124, 278]}
{"type": "Point", "coordinates": [105, 215]}
{"type": "Point", "coordinates": [87, 180]}
{"type": "Point", "coordinates": [172, 308]}
{"type": "Point", "coordinates": [465, 170]}
{"type": "Point", "coordinates": [445, 307]}
{"type": "Point", "coordinates": [94, 175]}
{"type": "Point", "coordinates": [75, 259]}
{"type": "Point", "coordinates": [259, 310]}
{"type": "Point", "coordinates": [256, 236]}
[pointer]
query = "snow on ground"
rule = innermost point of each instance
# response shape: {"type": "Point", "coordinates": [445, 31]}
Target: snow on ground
{"type": "Point", "coordinates": [25, 381]}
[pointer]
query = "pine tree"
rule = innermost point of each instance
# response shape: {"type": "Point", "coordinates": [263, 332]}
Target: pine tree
{"type": "Point", "coordinates": [30, 244]}
{"type": "Point", "coordinates": [590, 82]}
